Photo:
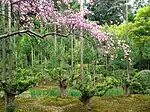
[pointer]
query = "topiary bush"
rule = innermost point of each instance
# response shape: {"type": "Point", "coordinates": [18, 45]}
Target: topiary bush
{"type": "Point", "coordinates": [141, 83]}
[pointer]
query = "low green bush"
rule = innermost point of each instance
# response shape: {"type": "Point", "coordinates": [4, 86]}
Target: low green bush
{"type": "Point", "coordinates": [141, 83]}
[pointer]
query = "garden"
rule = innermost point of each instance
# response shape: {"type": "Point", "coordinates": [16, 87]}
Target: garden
{"type": "Point", "coordinates": [75, 56]}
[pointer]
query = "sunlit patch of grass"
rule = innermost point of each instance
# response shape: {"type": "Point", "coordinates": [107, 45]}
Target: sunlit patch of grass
{"type": "Point", "coordinates": [114, 92]}
{"type": "Point", "coordinates": [44, 92]}
{"type": "Point", "coordinates": [37, 92]}
{"type": "Point", "coordinates": [72, 92]}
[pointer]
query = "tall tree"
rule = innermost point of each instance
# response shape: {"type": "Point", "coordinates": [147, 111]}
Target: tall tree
{"type": "Point", "coordinates": [107, 11]}
{"type": "Point", "coordinates": [141, 30]}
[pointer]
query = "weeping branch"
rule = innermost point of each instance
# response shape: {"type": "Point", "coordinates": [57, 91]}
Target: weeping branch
{"type": "Point", "coordinates": [30, 32]}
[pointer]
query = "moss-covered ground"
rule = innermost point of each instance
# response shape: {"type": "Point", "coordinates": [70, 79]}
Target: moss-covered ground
{"type": "Point", "coordinates": [133, 103]}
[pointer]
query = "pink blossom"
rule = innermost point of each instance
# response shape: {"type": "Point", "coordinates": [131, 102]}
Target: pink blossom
{"type": "Point", "coordinates": [44, 9]}
{"type": "Point", "coordinates": [68, 11]}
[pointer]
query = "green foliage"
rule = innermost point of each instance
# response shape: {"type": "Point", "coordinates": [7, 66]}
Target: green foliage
{"type": "Point", "coordinates": [108, 11]}
{"type": "Point", "coordinates": [74, 5]}
{"type": "Point", "coordinates": [86, 87]}
{"type": "Point", "coordinates": [101, 69]}
{"type": "Point", "coordinates": [98, 86]}
{"type": "Point", "coordinates": [105, 84]}
{"type": "Point", "coordinates": [141, 28]}
{"type": "Point", "coordinates": [120, 75]}
{"type": "Point", "coordinates": [22, 81]}
{"type": "Point", "coordinates": [141, 82]}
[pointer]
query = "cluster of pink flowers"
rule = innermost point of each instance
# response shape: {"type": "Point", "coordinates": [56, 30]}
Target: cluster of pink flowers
{"type": "Point", "coordinates": [66, 1]}
{"type": "Point", "coordinates": [45, 10]}
{"type": "Point", "coordinates": [122, 44]}
{"type": "Point", "coordinates": [107, 47]}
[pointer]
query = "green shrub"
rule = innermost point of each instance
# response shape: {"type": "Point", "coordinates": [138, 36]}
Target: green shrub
{"type": "Point", "coordinates": [141, 83]}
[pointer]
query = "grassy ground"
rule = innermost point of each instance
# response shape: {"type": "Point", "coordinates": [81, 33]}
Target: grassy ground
{"type": "Point", "coordinates": [133, 103]}
{"type": "Point", "coordinates": [46, 91]}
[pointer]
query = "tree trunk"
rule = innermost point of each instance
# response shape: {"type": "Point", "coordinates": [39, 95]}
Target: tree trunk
{"type": "Point", "coordinates": [10, 103]}
{"type": "Point", "coordinates": [3, 43]}
{"type": "Point", "coordinates": [3, 47]}
{"type": "Point", "coordinates": [87, 105]}
{"type": "Point", "coordinates": [72, 52]}
{"type": "Point", "coordinates": [10, 42]}
{"type": "Point", "coordinates": [55, 40]}
{"type": "Point", "coordinates": [32, 58]}
{"type": "Point", "coordinates": [126, 90]}
{"type": "Point", "coordinates": [86, 101]}
{"type": "Point", "coordinates": [28, 59]}
{"type": "Point", "coordinates": [63, 88]}
{"type": "Point", "coordinates": [81, 43]}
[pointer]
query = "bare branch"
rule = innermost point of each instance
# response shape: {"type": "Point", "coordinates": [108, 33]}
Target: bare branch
{"type": "Point", "coordinates": [32, 33]}
{"type": "Point", "coordinates": [13, 33]}
{"type": "Point", "coordinates": [45, 35]}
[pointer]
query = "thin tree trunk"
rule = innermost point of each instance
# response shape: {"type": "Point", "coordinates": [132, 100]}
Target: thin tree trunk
{"type": "Point", "coordinates": [106, 62]}
{"type": "Point", "coordinates": [126, 90]}
{"type": "Point", "coordinates": [10, 42]}
{"type": "Point", "coordinates": [128, 67]}
{"type": "Point", "coordinates": [32, 55]}
{"type": "Point", "coordinates": [81, 44]}
{"type": "Point", "coordinates": [55, 40]}
{"type": "Point", "coordinates": [94, 73]}
{"type": "Point", "coordinates": [10, 99]}
{"type": "Point", "coordinates": [72, 52]}
{"type": "Point", "coordinates": [3, 43]}
{"type": "Point", "coordinates": [128, 78]}
{"type": "Point", "coordinates": [3, 49]}
{"type": "Point", "coordinates": [15, 54]}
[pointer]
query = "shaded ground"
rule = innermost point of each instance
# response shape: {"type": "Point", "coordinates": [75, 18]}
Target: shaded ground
{"type": "Point", "coordinates": [134, 103]}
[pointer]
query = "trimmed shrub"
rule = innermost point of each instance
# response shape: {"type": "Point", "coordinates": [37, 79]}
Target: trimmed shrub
{"type": "Point", "coordinates": [141, 83]}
